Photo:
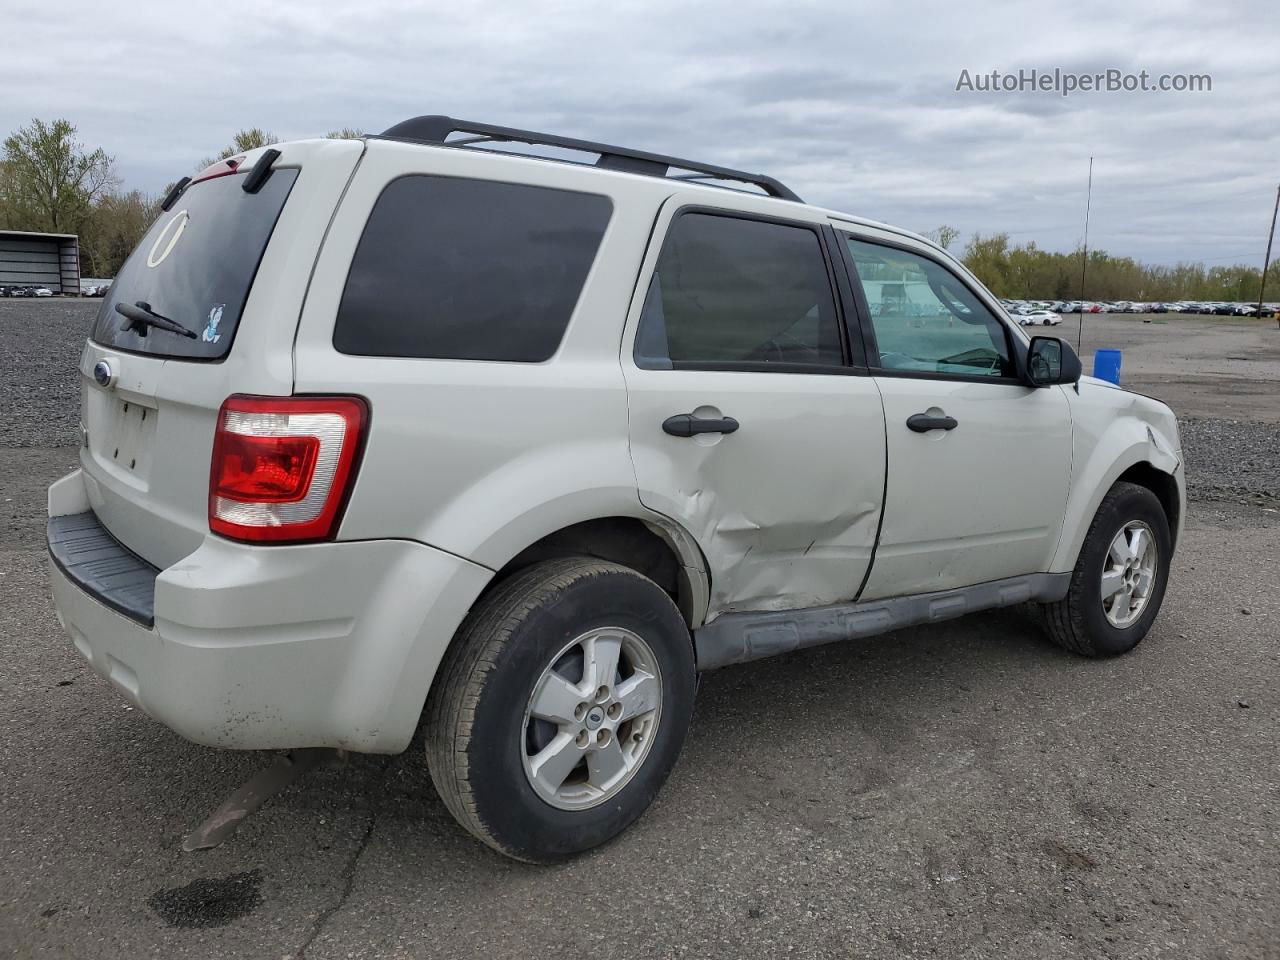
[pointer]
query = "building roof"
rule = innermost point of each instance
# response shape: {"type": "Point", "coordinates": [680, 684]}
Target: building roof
{"type": "Point", "coordinates": [37, 235]}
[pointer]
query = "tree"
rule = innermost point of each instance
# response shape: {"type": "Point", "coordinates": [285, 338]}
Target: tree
{"type": "Point", "coordinates": [48, 181]}
{"type": "Point", "coordinates": [988, 258]}
{"type": "Point", "coordinates": [944, 236]}
{"type": "Point", "coordinates": [245, 140]}
{"type": "Point", "coordinates": [346, 133]}
{"type": "Point", "coordinates": [115, 226]}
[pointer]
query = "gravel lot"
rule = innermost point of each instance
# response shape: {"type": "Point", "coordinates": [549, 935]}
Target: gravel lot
{"type": "Point", "coordinates": [965, 790]}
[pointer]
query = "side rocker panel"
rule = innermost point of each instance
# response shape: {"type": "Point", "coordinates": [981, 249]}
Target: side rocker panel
{"type": "Point", "coordinates": [741, 637]}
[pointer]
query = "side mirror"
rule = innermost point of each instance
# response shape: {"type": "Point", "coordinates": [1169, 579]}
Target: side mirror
{"type": "Point", "coordinates": [1050, 361]}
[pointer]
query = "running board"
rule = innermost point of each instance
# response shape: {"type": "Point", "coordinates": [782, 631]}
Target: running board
{"type": "Point", "coordinates": [740, 637]}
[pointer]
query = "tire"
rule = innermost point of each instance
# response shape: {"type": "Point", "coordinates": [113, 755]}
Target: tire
{"type": "Point", "coordinates": [1080, 621]}
{"type": "Point", "coordinates": [482, 743]}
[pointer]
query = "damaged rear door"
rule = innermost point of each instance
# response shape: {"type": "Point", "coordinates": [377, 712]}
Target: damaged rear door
{"type": "Point", "coordinates": [752, 420]}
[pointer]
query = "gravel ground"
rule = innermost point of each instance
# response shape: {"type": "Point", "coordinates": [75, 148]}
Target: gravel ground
{"type": "Point", "coordinates": [965, 790]}
{"type": "Point", "coordinates": [1234, 460]}
{"type": "Point", "coordinates": [40, 342]}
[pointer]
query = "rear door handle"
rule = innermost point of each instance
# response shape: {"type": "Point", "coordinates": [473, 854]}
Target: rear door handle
{"type": "Point", "coordinates": [923, 423]}
{"type": "Point", "coordinates": [686, 425]}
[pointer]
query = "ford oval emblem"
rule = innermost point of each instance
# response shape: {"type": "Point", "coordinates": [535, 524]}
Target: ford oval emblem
{"type": "Point", "coordinates": [103, 373]}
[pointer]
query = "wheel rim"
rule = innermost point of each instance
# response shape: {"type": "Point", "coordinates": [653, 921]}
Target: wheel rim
{"type": "Point", "coordinates": [591, 718]}
{"type": "Point", "coordinates": [1129, 574]}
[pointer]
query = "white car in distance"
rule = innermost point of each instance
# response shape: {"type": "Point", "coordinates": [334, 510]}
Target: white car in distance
{"type": "Point", "coordinates": [1036, 318]}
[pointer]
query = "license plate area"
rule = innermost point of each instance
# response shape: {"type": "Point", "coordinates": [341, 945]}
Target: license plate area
{"type": "Point", "coordinates": [122, 439]}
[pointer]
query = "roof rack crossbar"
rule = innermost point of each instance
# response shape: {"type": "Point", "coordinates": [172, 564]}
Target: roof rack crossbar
{"type": "Point", "coordinates": [436, 129]}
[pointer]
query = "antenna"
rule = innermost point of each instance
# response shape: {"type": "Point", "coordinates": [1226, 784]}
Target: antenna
{"type": "Point", "coordinates": [1084, 256]}
{"type": "Point", "coordinates": [1262, 287]}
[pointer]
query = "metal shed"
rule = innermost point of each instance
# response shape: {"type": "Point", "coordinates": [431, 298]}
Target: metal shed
{"type": "Point", "coordinates": [40, 259]}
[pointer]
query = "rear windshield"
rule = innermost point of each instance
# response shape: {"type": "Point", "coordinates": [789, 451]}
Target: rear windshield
{"type": "Point", "coordinates": [195, 266]}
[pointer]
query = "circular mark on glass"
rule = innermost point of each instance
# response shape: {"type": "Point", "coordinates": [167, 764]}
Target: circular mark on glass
{"type": "Point", "coordinates": [167, 239]}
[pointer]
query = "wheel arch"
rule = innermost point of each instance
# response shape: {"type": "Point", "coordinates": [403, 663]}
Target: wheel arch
{"type": "Point", "coordinates": [1164, 486]}
{"type": "Point", "coordinates": [647, 543]}
{"type": "Point", "coordinates": [1131, 451]}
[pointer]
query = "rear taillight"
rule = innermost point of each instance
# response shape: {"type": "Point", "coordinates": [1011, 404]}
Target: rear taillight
{"type": "Point", "coordinates": [282, 466]}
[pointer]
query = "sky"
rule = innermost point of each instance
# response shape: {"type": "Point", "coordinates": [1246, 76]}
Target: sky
{"type": "Point", "coordinates": [853, 105]}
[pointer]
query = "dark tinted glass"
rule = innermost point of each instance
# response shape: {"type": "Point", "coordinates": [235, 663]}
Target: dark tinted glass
{"type": "Point", "coordinates": [196, 265]}
{"type": "Point", "coordinates": [728, 290]}
{"type": "Point", "coordinates": [468, 270]}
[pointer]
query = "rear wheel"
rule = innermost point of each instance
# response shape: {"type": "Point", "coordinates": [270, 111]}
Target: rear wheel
{"type": "Point", "coordinates": [1120, 577]}
{"type": "Point", "coordinates": [560, 708]}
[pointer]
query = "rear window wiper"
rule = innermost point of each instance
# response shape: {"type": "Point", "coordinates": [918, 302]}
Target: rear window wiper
{"type": "Point", "coordinates": [141, 316]}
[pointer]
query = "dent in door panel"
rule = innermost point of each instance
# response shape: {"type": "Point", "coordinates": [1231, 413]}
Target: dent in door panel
{"type": "Point", "coordinates": [766, 560]}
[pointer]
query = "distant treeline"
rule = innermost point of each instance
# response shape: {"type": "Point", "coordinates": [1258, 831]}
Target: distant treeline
{"type": "Point", "coordinates": [1029, 273]}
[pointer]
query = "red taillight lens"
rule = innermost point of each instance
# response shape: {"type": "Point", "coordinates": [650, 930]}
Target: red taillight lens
{"type": "Point", "coordinates": [265, 469]}
{"type": "Point", "coordinates": [282, 466]}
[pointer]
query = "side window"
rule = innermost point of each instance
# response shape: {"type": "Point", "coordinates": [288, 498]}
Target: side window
{"type": "Point", "coordinates": [739, 294]}
{"type": "Point", "coordinates": [468, 270]}
{"type": "Point", "coordinates": [925, 319]}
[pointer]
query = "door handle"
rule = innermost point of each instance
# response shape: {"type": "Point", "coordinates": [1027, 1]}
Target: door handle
{"type": "Point", "coordinates": [686, 425]}
{"type": "Point", "coordinates": [923, 423]}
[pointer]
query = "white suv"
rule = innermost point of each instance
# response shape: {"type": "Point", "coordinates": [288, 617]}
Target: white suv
{"type": "Point", "coordinates": [419, 429]}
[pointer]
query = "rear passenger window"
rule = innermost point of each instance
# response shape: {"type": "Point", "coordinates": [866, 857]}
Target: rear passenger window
{"type": "Point", "coordinates": [730, 293]}
{"type": "Point", "coordinates": [468, 270]}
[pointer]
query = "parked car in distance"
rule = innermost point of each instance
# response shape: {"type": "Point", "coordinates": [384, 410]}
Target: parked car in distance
{"type": "Point", "coordinates": [41, 292]}
{"type": "Point", "coordinates": [521, 516]}
{"type": "Point", "coordinates": [1032, 318]}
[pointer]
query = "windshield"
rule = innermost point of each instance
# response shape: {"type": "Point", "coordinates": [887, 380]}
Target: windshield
{"type": "Point", "coordinates": [195, 266]}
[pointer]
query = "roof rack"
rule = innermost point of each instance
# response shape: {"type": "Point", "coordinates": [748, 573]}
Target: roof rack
{"type": "Point", "coordinates": [437, 129]}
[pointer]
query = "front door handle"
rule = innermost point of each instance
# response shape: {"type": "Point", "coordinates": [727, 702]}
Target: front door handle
{"type": "Point", "coordinates": [686, 425]}
{"type": "Point", "coordinates": [923, 423]}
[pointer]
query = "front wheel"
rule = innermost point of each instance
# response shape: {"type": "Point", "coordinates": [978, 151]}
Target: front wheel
{"type": "Point", "coordinates": [1119, 579]}
{"type": "Point", "coordinates": [561, 708]}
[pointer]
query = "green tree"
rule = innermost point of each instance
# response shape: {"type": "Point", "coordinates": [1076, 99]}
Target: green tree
{"type": "Point", "coordinates": [116, 224]}
{"type": "Point", "coordinates": [48, 179]}
{"type": "Point", "coordinates": [346, 133]}
{"type": "Point", "coordinates": [988, 258]}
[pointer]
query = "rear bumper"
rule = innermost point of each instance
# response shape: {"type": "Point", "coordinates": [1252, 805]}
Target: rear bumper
{"type": "Point", "coordinates": [317, 645]}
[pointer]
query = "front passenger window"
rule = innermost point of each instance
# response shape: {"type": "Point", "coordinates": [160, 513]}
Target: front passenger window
{"type": "Point", "coordinates": [925, 320]}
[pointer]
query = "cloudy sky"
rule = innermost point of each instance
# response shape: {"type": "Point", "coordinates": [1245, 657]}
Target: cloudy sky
{"type": "Point", "coordinates": [854, 105]}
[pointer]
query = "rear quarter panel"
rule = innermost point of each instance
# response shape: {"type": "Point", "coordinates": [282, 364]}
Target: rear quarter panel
{"type": "Point", "coordinates": [482, 458]}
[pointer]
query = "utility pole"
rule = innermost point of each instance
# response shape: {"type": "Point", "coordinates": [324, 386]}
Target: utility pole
{"type": "Point", "coordinates": [1262, 287]}
{"type": "Point", "coordinates": [1084, 259]}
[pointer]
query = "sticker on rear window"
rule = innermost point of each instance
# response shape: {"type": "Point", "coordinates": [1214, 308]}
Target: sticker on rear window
{"type": "Point", "coordinates": [171, 232]}
{"type": "Point", "coordinates": [211, 334]}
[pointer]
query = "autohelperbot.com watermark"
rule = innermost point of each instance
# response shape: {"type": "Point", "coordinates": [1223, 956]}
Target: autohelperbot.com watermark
{"type": "Point", "coordinates": [1066, 82]}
